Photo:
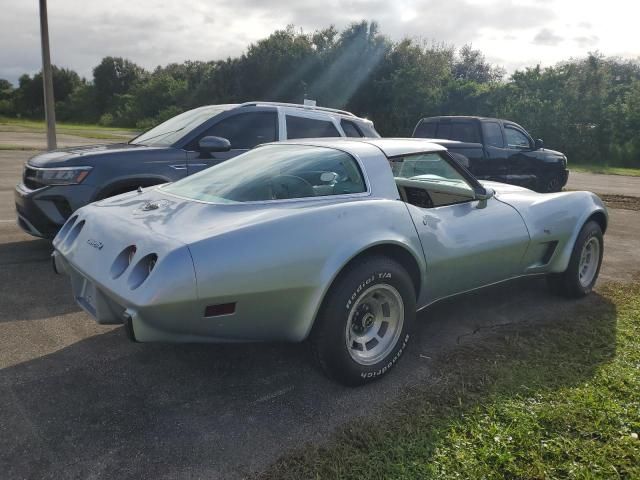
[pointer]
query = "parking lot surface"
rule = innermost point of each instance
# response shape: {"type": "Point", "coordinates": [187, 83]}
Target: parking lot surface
{"type": "Point", "coordinates": [80, 400]}
{"type": "Point", "coordinates": [611, 184]}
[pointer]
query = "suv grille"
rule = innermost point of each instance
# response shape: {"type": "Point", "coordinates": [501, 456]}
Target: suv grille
{"type": "Point", "coordinates": [30, 178]}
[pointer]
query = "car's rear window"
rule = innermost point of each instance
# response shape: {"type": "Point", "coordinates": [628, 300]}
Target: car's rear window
{"type": "Point", "coordinates": [275, 172]}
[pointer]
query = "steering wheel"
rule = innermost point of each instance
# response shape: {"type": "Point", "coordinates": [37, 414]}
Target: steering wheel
{"type": "Point", "coordinates": [290, 186]}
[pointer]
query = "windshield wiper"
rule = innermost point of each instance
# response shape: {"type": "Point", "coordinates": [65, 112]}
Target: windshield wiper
{"type": "Point", "coordinates": [159, 135]}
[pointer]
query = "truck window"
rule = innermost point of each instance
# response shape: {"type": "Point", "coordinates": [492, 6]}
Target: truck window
{"type": "Point", "coordinates": [302, 127]}
{"type": "Point", "coordinates": [464, 132]}
{"type": "Point", "coordinates": [515, 138]}
{"type": "Point", "coordinates": [425, 130]}
{"type": "Point", "coordinates": [493, 134]}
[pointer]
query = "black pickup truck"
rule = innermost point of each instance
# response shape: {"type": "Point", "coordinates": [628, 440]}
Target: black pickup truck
{"type": "Point", "coordinates": [499, 150]}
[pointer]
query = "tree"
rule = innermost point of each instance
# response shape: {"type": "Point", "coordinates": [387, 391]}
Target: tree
{"type": "Point", "coordinates": [586, 107]}
{"type": "Point", "coordinates": [28, 97]}
{"type": "Point", "coordinates": [114, 76]}
{"type": "Point", "coordinates": [471, 65]}
{"type": "Point", "coordinates": [6, 88]}
{"type": "Point", "coordinates": [6, 97]}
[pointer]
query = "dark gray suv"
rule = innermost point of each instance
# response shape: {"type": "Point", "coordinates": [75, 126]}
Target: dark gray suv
{"type": "Point", "coordinates": [56, 183]}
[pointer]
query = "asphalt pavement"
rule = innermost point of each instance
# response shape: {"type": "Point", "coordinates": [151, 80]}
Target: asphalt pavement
{"type": "Point", "coordinates": [80, 400]}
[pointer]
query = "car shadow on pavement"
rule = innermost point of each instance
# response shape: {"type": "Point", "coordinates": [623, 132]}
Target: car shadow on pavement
{"type": "Point", "coordinates": [30, 290]}
{"type": "Point", "coordinates": [104, 407]}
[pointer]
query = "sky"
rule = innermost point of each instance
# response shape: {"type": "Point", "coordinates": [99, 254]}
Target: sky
{"type": "Point", "coordinates": [511, 33]}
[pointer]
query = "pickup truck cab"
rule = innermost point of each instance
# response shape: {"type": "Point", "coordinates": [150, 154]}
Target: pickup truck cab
{"type": "Point", "coordinates": [498, 150]}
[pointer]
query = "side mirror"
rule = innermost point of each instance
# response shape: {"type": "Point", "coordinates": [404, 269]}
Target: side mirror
{"type": "Point", "coordinates": [214, 144]}
{"type": "Point", "coordinates": [539, 144]}
{"type": "Point", "coordinates": [483, 196]}
{"type": "Point", "coordinates": [486, 194]}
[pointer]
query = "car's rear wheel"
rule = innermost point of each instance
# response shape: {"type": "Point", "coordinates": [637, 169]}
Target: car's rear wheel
{"type": "Point", "coordinates": [584, 265]}
{"type": "Point", "coordinates": [364, 324]}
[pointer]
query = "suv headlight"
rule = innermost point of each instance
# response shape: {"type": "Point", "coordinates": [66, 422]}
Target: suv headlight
{"type": "Point", "coordinates": [58, 176]}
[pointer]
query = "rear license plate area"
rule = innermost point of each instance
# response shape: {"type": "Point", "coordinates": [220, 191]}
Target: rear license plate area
{"type": "Point", "coordinates": [87, 297]}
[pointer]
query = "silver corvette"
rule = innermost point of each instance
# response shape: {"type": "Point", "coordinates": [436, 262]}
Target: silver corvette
{"type": "Point", "coordinates": [337, 240]}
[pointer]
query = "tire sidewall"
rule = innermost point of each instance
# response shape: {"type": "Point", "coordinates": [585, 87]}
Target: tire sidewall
{"type": "Point", "coordinates": [589, 231]}
{"type": "Point", "coordinates": [336, 315]}
{"type": "Point", "coordinates": [552, 184]}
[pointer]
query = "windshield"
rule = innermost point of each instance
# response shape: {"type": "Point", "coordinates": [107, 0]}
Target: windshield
{"type": "Point", "coordinates": [169, 132]}
{"type": "Point", "coordinates": [274, 172]}
{"type": "Point", "coordinates": [427, 167]}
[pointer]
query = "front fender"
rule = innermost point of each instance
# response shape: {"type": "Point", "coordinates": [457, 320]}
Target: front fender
{"type": "Point", "coordinates": [592, 204]}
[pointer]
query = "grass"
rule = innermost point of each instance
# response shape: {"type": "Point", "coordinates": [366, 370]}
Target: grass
{"type": "Point", "coordinates": [77, 129]}
{"type": "Point", "coordinates": [560, 400]}
{"type": "Point", "coordinates": [606, 170]}
{"type": "Point", "coordinates": [11, 146]}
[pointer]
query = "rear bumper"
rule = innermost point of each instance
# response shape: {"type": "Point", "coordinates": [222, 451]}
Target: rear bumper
{"type": "Point", "coordinates": [97, 303]}
{"type": "Point", "coordinates": [43, 211]}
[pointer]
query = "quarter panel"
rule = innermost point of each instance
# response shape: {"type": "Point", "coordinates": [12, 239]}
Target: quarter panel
{"type": "Point", "coordinates": [278, 272]}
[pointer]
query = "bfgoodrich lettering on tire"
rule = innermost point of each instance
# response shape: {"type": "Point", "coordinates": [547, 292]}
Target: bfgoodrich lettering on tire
{"type": "Point", "coordinates": [365, 321]}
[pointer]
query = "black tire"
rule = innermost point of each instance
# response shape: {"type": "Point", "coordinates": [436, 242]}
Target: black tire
{"type": "Point", "coordinates": [552, 184]}
{"type": "Point", "coordinates": [373, 275]}
{"type": "Point", "coordinates": [568, 283]}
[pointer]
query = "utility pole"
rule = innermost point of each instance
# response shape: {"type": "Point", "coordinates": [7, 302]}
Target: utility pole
{"type": "Point", "coordinates": [47, 78]}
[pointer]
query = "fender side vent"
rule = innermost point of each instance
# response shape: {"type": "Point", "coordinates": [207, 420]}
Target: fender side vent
{"type": "Point", "coordinates": [220, 309]}
{"type": "Point", "coordinates": [551, 248]}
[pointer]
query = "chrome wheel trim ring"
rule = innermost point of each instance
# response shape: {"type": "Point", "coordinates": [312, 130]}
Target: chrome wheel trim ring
{"type": "Point", "coordinates": [589, 259]}
{"type": "Point", "coordinates": [374, 324]}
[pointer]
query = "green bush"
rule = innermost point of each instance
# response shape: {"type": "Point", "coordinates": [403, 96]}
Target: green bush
{"type": "Point", "coordinates": [106, 120]}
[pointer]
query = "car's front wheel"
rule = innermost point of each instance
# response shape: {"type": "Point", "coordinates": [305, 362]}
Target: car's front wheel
{"type": "Point", "coordinates": [365, 321]}
{"type": "Point", "coordinates": [584, 265]}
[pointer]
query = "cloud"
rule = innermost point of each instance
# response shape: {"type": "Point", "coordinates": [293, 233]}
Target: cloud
{"type": "Point", "coordinates": [548, 38]}
{"type": "Point", "coordinates": [154, 32]}
{"type": "Point", "coordinates": [584, 41]}
{"type": "Point", "coordinates": [157, 32]}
